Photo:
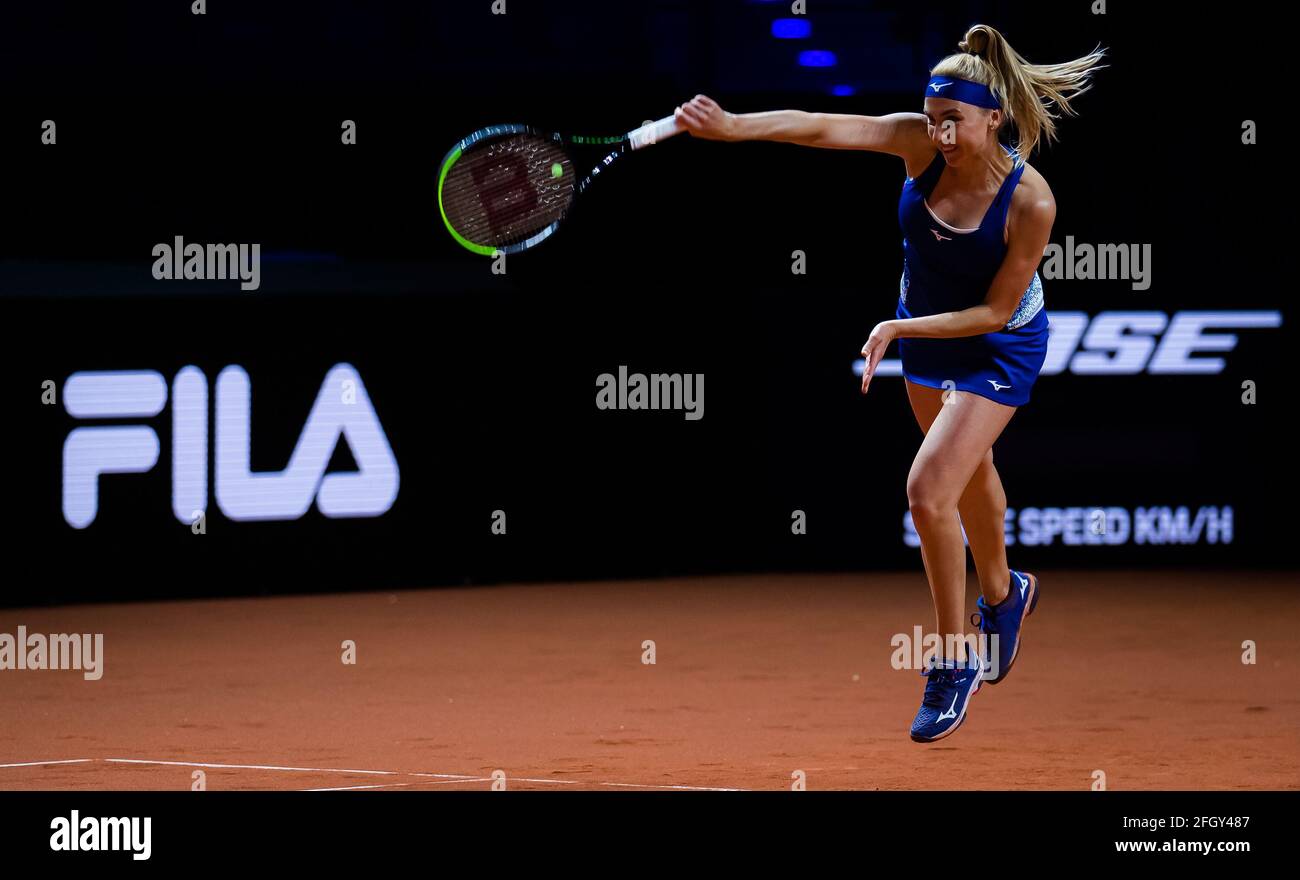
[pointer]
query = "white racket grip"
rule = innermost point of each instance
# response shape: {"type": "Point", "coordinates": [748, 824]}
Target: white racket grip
{"type": "Point", "coordinates": [654, 132]}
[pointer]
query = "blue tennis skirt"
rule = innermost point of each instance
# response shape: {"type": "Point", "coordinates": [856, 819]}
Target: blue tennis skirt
{"type": "Point", "coordinates": [1001, 366]}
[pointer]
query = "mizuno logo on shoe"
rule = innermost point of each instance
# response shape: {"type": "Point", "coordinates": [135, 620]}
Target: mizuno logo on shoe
{"type": "Point", "coordinates": [952, 710]}
{"type": "Point", "coordinates": [938, 237]}
{"type": "Point", "coordinates": [1024, 584]}
{"type": "Point", "coordinates": [996, 386]}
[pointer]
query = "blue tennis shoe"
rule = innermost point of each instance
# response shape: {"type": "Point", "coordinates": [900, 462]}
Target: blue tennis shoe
{"type": "Point", "coordinates": [950, 685]}
{"type": "Point", "coordinates": [1001, 624]}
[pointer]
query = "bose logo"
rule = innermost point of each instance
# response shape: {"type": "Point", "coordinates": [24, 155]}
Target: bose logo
{"type": "Point", "coordinates": [1128, 343]}
{"type": "Point", "coordinates": [1124, 343]}
{"type": "Point", "coordinates": [342, 409]}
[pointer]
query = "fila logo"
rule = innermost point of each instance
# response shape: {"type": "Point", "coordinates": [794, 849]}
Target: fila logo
{"type": "Point", "coordinates": [342, 410]}
{"type": "Point", "coordinates": [938, 237]}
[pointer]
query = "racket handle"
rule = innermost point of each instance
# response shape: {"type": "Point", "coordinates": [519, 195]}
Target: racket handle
{"type": "Point", "coordinates": [654, 132]}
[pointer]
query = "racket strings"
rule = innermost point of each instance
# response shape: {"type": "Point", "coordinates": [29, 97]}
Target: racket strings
{"type": "Point", "coordinates": [504, 191]}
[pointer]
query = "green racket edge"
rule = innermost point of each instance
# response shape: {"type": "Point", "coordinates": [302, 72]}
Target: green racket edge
{"type": "Point", "coordinates": [485, 250]}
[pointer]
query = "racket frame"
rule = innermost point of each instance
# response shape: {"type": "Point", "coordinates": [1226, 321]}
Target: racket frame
{"type": "Point", "coordinates": [636, 139]}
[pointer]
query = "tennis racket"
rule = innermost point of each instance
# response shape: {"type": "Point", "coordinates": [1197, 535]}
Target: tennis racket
{"type": "Point", "coordinates": [505, 188]}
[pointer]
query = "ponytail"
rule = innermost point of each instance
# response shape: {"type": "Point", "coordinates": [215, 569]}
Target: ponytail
{"type": "Point", "coordinates": [1027, 92]}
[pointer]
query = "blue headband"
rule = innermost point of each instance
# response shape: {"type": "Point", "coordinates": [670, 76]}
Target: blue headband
{"type": "Point", "coordinates": [962, 90]}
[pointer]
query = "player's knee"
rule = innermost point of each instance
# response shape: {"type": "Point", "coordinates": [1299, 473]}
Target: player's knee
{"type": "Point", "coordinates": [928, 505]}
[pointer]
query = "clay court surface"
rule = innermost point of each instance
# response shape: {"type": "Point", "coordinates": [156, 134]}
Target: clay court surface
{"type": "Point", "coordinates": [1138, 674]}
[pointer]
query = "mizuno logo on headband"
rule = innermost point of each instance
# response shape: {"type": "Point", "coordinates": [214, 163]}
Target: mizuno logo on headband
{"type": "Point", "coordinates": [965, 91]}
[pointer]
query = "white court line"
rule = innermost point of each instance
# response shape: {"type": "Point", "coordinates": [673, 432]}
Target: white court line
{"type": "Point", "coordinates": [674, 787]}
{"type": "Point", "coordinates": [398, 784]}
{"type": "Point", "coordinates": [449, 777]}
{"type": "Point", "coordinates": [523, 779]}
{"type": "Point", "coordinates": [272, 767]}
{"type": "Point", "coordinates": [43, 763]}
{"type": "Point", "coordinates": [618, 784]}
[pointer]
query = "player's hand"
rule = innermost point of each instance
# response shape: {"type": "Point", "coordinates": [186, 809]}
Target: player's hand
{"type": "Point", "coordinates": [883, 334]}
{"type": "Point", "coordinates": [703, 118]}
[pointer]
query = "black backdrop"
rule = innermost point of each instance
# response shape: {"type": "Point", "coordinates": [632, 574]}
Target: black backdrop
{"type": "Point", "coordinates": [225, 128]}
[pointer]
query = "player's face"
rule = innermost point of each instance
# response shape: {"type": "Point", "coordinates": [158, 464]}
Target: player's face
{"type": "Point", "coordinates": [959, 130]}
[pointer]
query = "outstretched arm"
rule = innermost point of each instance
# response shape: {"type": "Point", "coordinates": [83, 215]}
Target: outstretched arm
{"type": "Point", "coordinates": [899, 134]}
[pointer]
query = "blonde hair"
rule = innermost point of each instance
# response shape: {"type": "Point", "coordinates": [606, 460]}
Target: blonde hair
{"type": "Point", "coordinates": [1027, 92]}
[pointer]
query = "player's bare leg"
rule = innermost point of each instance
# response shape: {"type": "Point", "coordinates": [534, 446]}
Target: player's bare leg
{"type": "Point", "coordinates": [982, 506]}
{"type": "Point", "coordinates": [957, 441]}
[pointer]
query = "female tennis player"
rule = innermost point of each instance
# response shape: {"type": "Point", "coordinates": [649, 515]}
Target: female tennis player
{"type": "Point", "coordinates": [970, 322]}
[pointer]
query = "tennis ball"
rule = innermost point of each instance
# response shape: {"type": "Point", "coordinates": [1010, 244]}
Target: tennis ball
{"type": "Point", "coordinates": [557, 170]}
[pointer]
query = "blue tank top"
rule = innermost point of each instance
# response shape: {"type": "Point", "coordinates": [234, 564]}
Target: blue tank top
{"type": "Point", "coordinates": [945, 270]}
